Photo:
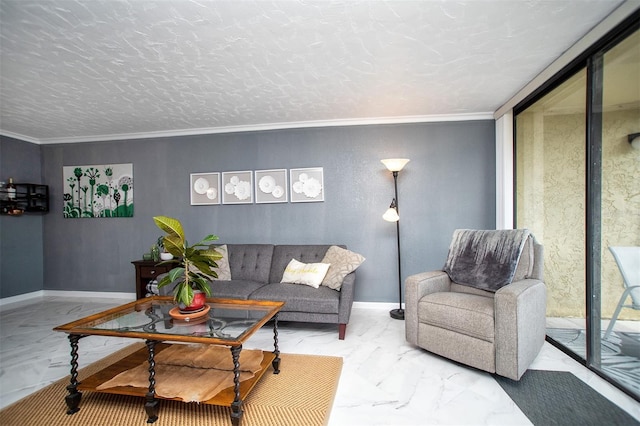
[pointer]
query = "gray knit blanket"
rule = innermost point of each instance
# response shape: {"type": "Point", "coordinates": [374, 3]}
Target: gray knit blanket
{"type": "Point", "coordinates": [485, 259]}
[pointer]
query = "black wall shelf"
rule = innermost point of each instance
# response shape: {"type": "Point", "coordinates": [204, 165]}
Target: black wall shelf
{"type": "Point", "coordinates": [30, 198]}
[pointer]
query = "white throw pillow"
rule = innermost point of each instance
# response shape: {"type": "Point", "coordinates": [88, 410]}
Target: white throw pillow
{"type": "Point", "coordinates": [223, 270]}
{"type": "Point", "coordinates": [342, 262]}
{"type": "Point", "coordinates": [310, 274]}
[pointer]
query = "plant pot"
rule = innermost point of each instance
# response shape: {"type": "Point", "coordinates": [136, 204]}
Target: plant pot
{"type": "Point", "coordinates": [197, 303]}
{"type": "Point", "coordinates": [166, 256]}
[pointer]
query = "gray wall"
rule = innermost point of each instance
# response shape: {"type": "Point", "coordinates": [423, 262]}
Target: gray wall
{"type": "Point", "coordinates": [449, 183]}
{"type": "Point", "coordinates": [21, 250]}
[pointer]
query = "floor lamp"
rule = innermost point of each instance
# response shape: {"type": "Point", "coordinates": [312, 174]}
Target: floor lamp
{"type": "Point", "coordinates": [391, 215]}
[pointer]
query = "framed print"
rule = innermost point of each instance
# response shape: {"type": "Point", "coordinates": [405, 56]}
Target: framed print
{"type": "Point", "coordinates": [205, 189]}
{"type": "Point", "coordinates": [307, 185]}
{"type": "Point", "coordinates": [237, 187]}
{"type": "Point", "coordinates": [271, 186]}
{"type": "Point", "coordinates": [104, 190]}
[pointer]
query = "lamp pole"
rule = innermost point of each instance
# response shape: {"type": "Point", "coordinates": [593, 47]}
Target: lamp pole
{"type": "Point", "coordinates": [398, 313]}
{"type": "Point", "coordinates": [394, 165]}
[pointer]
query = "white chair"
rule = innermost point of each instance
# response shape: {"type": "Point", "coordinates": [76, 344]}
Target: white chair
{"type": "Point", "coordinates": [628, 260]}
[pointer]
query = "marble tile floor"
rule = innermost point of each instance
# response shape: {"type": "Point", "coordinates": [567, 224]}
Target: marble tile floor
{"type": "Point", "coordinates": [384, 380]}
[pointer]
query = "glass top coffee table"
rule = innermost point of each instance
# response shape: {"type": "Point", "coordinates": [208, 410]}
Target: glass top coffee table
{"type": "Point", "coordinates": [227, 322]}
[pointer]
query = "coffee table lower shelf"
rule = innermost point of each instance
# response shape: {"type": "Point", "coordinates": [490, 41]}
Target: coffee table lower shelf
{"type": "Point", "coordinates": [224, 398]}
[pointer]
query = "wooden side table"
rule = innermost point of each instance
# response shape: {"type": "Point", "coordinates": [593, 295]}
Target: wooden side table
{"type": "Point", "coordinates": [147, 270]}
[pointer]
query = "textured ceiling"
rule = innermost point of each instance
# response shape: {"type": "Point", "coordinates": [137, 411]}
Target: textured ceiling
{"type": "Point", "coordinates": [90, 70]}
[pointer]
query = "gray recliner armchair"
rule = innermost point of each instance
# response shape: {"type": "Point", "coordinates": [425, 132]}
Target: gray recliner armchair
{"type": "Point", "coordinates": [487, 307]}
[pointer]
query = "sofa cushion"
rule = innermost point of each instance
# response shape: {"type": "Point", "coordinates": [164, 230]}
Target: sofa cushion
{"type": "Point", "coordinates": [236, 289]}
{"type": "Point", "coordinates": [300, 298]}
{"type": "Point", "coordinates": [464, 313]}
{"type": "Point", "coordinates": [342, 262]}
{"type": "Point", "coordinates": [282, 255]}
{"type": "Point", "coordinates": [310, 274]}
{"type": "Point", "coordinates": [250, 262]}
{"type": "Point", "coordinates": [458, 288]}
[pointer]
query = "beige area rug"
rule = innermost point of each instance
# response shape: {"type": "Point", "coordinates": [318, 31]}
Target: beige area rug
{"type": "Point", "coordinates": [302, 394]}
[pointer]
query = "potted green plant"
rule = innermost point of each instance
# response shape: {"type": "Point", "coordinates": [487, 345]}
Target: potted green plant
{"type": "Point", "coordinates": [194, 264]}
{"type": "Point", "coordinates": [164, 255]}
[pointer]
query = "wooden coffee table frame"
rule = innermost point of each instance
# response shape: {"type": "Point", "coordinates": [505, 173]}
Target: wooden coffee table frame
{"type": "Point", "coordinates": [232, 396]}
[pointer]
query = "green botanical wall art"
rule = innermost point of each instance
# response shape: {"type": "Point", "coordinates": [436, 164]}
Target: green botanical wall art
{"type": "Point", "coordinates": [98, 191]}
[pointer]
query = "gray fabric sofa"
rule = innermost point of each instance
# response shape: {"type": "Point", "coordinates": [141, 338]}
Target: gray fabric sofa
{"type": "Point", "coordinates": [499, 332]}
{"type": "Point", "coordinates": [256, 272]}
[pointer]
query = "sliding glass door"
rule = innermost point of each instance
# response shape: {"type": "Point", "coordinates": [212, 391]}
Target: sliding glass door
{"type": "Point", "coordinates": [577, 181]}
{"type": "Point", "coordinates": [551, 199]}
{"type": "Point", "coordinates": [618, 351]}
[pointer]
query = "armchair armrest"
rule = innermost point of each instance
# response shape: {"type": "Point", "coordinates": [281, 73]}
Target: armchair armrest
{"type": "Point", "coordinates": [520, 319]}
{"type": "Point", "coordinates": [415, 288]}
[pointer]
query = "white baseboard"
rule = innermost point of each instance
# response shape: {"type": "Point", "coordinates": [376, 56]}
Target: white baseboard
{"type": "Point", "coordinates": [93, 294]}
{"type": "Point", "coordinates": [131, 296]}
{"type": "Point", "coordinates": [376, 305]}
{"type": "Point", "coordinates": [67, 294]}
{"type": "Point", "coordinates": [21, 297]}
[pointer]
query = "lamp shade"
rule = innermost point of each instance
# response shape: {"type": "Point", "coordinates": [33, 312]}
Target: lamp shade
{"type": "Point", "coordinates": [391, 215]}
{"type": "Point", "coordinates": [395, 164]}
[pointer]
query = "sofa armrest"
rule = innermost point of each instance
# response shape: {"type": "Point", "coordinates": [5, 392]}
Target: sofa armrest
{"type": "Point", "coordinates": [520, 318]}
{"type": "Point", "coordinates": [347, 292]}
{"type": "Point", "coordinates": [415, 288]}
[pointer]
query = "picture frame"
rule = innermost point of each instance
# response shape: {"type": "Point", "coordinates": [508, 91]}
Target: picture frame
{"type": "Point", "coordinates": [98, 191]}
{"type": "Point", "coordinates": [205, 188]}
{"type": "Point", "coordinates": [307, 185]}
{"type": "Point", "coordinates": [237, 187]}
{"type": "Point", "coordinates": [271, 186]}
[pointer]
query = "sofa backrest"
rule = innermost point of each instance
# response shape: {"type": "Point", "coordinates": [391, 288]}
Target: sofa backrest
{"type": "Point", "coordinates": [250, 262]}
{"type": "Point", "coordinates": [282, 255]}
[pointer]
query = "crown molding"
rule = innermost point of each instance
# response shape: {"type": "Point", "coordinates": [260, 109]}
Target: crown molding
{"type": "Point", "coordinates": [258, 127]}
{"type": "Point", "coordinates": [19, 136]}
